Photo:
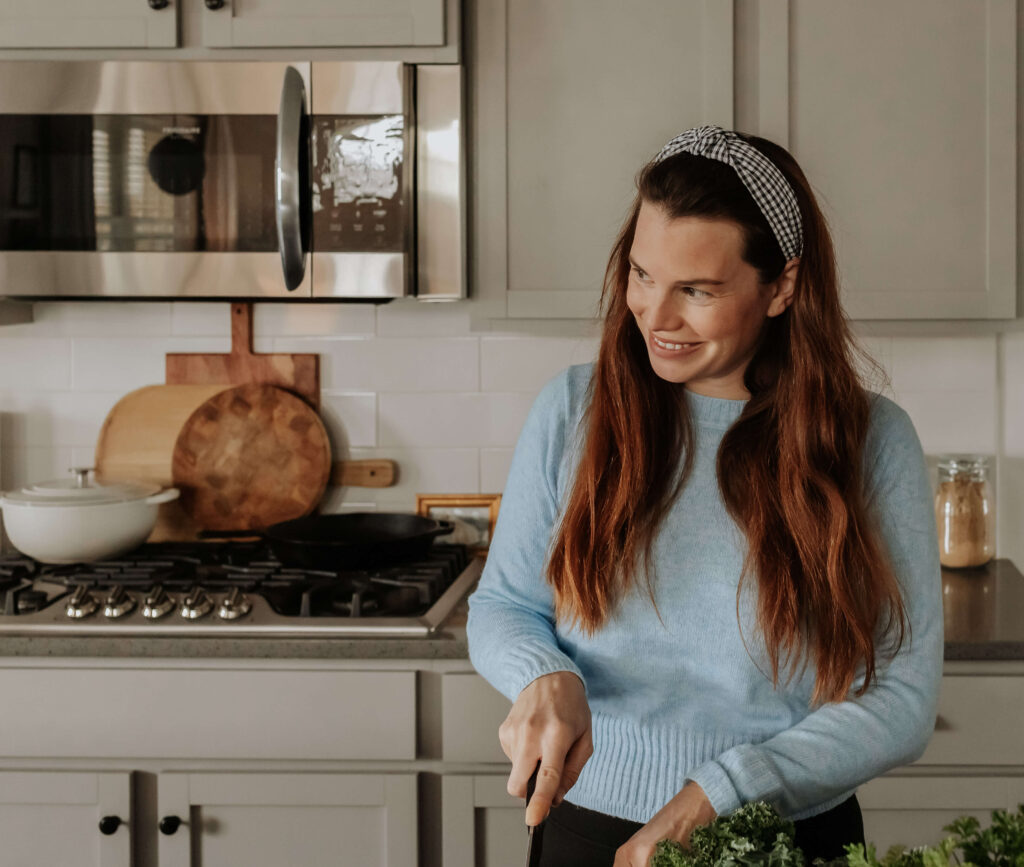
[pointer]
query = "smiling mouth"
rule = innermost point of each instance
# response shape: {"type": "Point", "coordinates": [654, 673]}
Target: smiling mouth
{"type": "Point", "coordinates": [664, 344]}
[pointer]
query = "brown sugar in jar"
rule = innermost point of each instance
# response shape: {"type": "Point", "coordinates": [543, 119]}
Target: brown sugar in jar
{"type": "Point", "coordinates": [964, 512]}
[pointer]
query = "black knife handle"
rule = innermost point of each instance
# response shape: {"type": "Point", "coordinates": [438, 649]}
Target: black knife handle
{"type": "Point", "coordinates": [531, 784]}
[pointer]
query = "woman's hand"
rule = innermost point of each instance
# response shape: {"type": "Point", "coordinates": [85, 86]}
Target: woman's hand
{"type": "Point", "coordinates": [550, 723]}
{"type": "Point", "coordinates": [674, 821]}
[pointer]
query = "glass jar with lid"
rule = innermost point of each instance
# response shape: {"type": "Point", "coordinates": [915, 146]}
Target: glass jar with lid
{"type": "Point", "coordinates": [965, 512]}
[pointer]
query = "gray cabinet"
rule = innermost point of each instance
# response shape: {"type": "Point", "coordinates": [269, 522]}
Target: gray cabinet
{"type": "Point", "coordinates": [576, 96]}
{"type": "Point", "coordinates": [901, 112]}
{"type": "Point", "coordinates": [483, 823]}
{"type": "Point", "coordinates": [342, 820]}
{"type": "Point", "coordinates": [50, 817]}
{"type": "Point", "coordinates": [324, 23]}
{"type": "Point", "coordinates": [418, 31]}
{"type": "Point", "coordinates": [97, 24]}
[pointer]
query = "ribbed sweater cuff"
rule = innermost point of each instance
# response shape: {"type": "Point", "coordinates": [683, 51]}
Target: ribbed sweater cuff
{"type": "Point", "coordinates": [717, 786]}
{"type": "Point", "coordinates": [527, 663]}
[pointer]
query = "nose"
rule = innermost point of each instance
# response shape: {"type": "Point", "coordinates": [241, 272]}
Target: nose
{"type": "Point", "coordinates": [663, 313]}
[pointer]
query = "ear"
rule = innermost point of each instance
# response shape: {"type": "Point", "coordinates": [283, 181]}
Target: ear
{"type": "Point", "coordinates": [782, 288]}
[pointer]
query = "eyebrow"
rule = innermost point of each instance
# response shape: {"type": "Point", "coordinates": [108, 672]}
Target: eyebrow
{"type": "Point", "coordinates": [700, 281]}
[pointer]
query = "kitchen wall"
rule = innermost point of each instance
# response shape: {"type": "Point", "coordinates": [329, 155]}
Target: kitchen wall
{"type": "Point", "coordinates": [418, 383]}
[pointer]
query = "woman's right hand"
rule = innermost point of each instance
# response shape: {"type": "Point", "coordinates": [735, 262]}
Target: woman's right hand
{"type": "Point", "coordinates": [550, 723]}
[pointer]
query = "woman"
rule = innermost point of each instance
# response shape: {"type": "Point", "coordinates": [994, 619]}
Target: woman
{"type": "Point", "coordinates": [714, 503]}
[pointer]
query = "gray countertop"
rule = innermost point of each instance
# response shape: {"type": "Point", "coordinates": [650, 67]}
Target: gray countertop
{"type": "Point", "coordinates": [984, 620]}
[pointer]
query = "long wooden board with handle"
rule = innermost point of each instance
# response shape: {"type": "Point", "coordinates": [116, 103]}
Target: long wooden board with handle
{"type": "Point", "coordinates": [299, 373]}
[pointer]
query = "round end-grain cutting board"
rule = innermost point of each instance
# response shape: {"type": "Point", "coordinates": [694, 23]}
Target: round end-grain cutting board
{"type": "Point", "coordinates": [251, 456]}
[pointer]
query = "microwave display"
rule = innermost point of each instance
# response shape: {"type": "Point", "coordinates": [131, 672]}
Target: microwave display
{"type": "Point", "coordinates": [359, 196]}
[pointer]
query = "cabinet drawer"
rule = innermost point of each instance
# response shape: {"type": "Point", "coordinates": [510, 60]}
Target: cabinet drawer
{"type": "Point", "coordinates": [980, 722]}
{"type": "Point", "coordinates": [208, 713]}
{"type": "Point", "coordinates": [473, 710]}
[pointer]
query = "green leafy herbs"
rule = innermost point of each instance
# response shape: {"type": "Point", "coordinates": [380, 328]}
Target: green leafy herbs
{"type": "Point", "coordinates": [999, 845]}
{"type": "Point", "coordinates": [756, 836]}
{"type": "Point", "coordinates": [753, 835]}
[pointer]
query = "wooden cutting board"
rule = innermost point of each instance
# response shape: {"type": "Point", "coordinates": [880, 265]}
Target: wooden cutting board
{"type": "Point", "coordinates": [251, 456]}
{"type": "Point", "coordinates": [136, 443]}
{"type": "Point", "coordinates": [297, 373]}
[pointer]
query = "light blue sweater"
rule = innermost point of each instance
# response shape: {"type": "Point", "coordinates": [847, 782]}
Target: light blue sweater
{"type": "Point", "coordinates": [684, 700]}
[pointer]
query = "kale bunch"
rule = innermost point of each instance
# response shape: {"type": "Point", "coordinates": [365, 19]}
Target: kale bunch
{"type": "Point", "coordinates": [753, 836]}
{"type": "Point", "coordinates": [999, 845]}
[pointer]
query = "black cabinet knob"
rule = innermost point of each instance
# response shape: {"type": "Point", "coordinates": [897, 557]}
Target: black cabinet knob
{"type": "Point", "coordinates": [110, 824]}
{"type": "Point", "coordinates": [214, 5]}
{"type": "Point", "coordinates": [159, 4]}
{"type": "Point", "coordinates": [169, 824]}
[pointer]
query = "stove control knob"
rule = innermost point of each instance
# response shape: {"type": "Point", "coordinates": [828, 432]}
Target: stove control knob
{"type": "Point", "coordinates": [81, 604]}
{"type": "Point", "coordinates": [119, 603]}
{"type": "Point", "coordinates": [197, 604]}
{"type": "Point", "coordinates": [236, 604]}
{"type": "Point", "coordinates": [157, 603]}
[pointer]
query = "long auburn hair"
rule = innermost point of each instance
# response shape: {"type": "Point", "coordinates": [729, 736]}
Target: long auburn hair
{"type": "Point", "coordinates": [789, 468]}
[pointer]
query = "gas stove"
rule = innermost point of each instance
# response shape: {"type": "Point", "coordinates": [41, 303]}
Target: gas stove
{"type": "Point", "coordinates": [236, 588]}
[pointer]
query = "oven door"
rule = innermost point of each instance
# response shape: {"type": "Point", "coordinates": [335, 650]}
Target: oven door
{"type": "Point", "coordinates": [149, 179]}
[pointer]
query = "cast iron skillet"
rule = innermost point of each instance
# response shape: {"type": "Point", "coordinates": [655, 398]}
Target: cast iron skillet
{"type": "Point", "coordinates": [351, 540]}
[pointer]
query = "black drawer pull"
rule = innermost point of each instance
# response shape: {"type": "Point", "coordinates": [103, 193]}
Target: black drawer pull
{"type": "Point", "coordinates": [169, 824]}
{"type": "Point", "coordinates": [110, 824]}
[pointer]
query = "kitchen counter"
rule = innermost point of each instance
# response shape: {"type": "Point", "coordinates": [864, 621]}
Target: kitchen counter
{"type": "Point", "coordinates": [984, 620]}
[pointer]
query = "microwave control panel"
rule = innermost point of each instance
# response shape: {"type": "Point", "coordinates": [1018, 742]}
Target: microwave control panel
{"type": "Point", "coordinates": [359, 186]}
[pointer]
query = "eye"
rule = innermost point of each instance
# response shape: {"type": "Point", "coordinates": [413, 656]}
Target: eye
{"type": "Point", "coordinates": [640, 273]}
{"type": "Point", "coordinates": [696, 293]}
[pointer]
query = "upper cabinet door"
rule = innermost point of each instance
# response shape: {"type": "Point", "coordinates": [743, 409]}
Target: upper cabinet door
{"type": "Point", "coordinates": [96, 24]}
{"type": "Point", "coordinates": [323, 23]}
{"type": "Point", "coordinates": [594, 88]}
{"type": "Point", "coordinates": [902, 113]}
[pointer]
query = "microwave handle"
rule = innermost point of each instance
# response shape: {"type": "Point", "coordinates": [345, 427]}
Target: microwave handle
{"type": "Point", "coordinates": [288, 179]}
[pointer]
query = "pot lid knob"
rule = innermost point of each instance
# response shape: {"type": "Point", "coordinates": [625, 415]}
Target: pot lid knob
{"type": "Point", "coordinates": [81, 475]}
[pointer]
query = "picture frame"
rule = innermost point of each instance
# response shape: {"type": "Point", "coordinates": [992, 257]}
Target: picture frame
{"type": "Point", "coordinates": [474, 515]}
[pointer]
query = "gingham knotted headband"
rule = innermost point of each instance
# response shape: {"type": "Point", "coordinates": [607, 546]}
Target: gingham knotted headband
{"type": "Point", "coordinates": [769, 187]}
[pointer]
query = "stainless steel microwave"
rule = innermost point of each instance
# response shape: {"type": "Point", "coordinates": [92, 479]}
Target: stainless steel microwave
{"type": "Point", "coordinates": [226, 179]}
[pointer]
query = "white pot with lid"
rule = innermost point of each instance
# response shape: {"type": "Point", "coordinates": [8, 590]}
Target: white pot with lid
{"type": "Point", "coordinates": [78, 520]}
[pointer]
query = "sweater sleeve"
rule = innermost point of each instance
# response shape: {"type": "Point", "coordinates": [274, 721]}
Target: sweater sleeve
{"type": "Point", "coordinates": [841, 745]}
{"type": "Point", "coordinates": [510, 627]}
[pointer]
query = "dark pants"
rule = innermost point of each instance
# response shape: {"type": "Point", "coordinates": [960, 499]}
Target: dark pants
{"type": "Point", "coordinates": [577, 837]}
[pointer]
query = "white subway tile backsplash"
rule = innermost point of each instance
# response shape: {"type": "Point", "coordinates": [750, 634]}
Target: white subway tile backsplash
{"type": "Point", "coordinates": [126, 363]}
{"type": "Point", "coordinates": [939, 363]}
{"type": "Point", "coordinates": [431, 420]}
{"type": "Point", "coordinates": [494, 465]}
{"type": "Point", "coordinates": [26, 466]}
{"type": "Point", "coordinates": [949, 420]}
{"type": "Point", "coordinates": [35, 364]}
{"type": "Point", "coordinates": [94, 319]}
{"type": "Point", "coordinates": [351, 420]}
{"type": "Point", "coordinates": [202, 319]}
{"type": "Point", "coordinates": [525, 364]}
{"type": "Point", "coordinates": [58, 418]}
{"type": "Point", "coordinates": [407, 317]}
{"type": "Point", "coordinates": [1012, 365]}
{"type": "Point", "coordinates": [452, 419]}
{"type": "Point", "coordinates": [313, 320]}
{"type": "Point", "coordinates": [443, 364]}
{"type": "Point", "coordinates": [504, 418]}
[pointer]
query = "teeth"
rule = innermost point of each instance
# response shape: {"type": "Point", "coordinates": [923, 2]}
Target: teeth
{"type": "Point", "coordinates": [665, 345]}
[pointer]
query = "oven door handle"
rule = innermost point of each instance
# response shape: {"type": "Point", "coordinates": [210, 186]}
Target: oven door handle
{"type": "Point", "coordinates": [288, 177]}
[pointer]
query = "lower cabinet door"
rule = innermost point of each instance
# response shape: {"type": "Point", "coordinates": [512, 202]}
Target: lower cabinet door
{"type": "Point", "coordinates": [57, 817]}
{"type": "Point", "coordinates": [308, 819]}
{"type": "Point", "coordinates": [483, 824]}
{"type": "Point", "coordinates": [913, 810]}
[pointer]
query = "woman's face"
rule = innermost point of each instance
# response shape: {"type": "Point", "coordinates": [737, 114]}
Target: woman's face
{"type": "Point", "coordinates": [689, 285]}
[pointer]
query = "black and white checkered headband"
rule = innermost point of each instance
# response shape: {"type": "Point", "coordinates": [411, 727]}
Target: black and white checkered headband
{"type": "Point", "coordinates": [768, 186]}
